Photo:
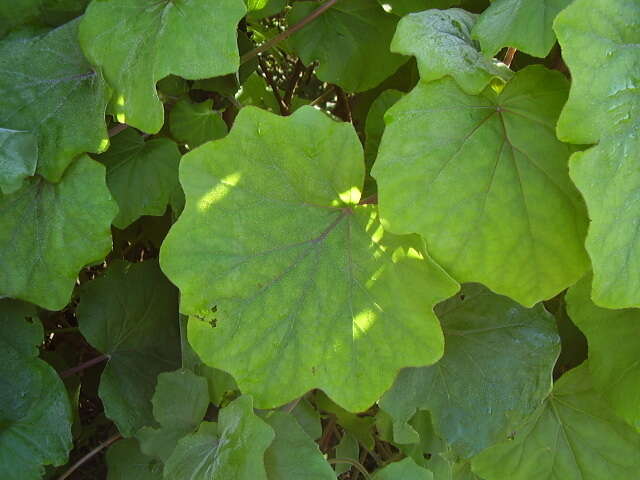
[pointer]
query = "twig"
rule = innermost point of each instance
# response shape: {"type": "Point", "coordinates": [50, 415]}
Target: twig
{"type": "Point", "coordinates": [344, 102]}
{"type": "Point", "coordinates": [90, 455]}
{"type": "Point", "coordinates": [328, 93]}
{"type": "Point", "coordinates": [288, 32]}
{"type": "Point", "coordinates": [353, 463]}
{"type": "Point", "coordinates": [370, 200]}
{"type": "Point", "coordinates": [64, 330]}
{"type": "Point", "coordinates": [272, 83]}
{"type": "Point", "coordinates": [113, 131]}
{"type": "Point", "coordinates": [293, 84]}
{"type": "Point", "coordinates": [84, 365]}
{"type": "Point", "coordinates": [508, 57]}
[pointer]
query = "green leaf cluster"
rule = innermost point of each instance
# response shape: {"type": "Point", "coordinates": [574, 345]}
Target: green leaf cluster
{"type": "Point", "coordinates": [338, 239]}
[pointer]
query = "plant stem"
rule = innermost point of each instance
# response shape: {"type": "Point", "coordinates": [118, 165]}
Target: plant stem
{"type": "Point", "coordinates": [370, 200]}
{"type": "Point", "coordinates": [90, 455]}
{"type": "Point", "coordinates": [272, 83]}
{"type": "Point", "coordinates": [328, 93]}
{"type": "Point", "coordinates": [293, 84]}
{"type": "Point", "coordinates": [353, 463]}
{"type": "Point", "coordinates": [508, 57]}
{"type": "Point", "coordinates": [113, 131]}
{"type": "Point", "coordinates": [288, 32]}
{"type": "Point", "coordinates": [64, 330]}
{"type": "Point", "coordinates": [84, 365]}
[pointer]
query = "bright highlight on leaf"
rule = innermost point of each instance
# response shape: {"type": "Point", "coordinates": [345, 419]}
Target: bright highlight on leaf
{"type": "Point", "coordinates": [441, 42]}
{"type": "Point", "coordinates": [601, 44]}
{"type": "Point", "coordinates": [573, 435]}
{"type": "Point", "coordinates": [493, 205]}
{"type": "Point", "coordinates": [48, 88]}
{"type": "Point", "coordinates": [138, 42]}
{"type": "Point", "coordinates": [301, 275]}
{"type": "Point", "coordinates": [50, 231]}
{"type": "Point", "coordinates": [495, 371]}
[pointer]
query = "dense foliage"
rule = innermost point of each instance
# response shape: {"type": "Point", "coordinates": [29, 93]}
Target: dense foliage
{"type": "Point", "coordinates": [353, 239]}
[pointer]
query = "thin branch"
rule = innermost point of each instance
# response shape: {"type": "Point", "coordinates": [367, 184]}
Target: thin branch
{"type": "Point", "coordinates": [90, 455]}
{"type": "Point", "coordinates": [344, 103]}
{"type": "Point", "coordinates": [84, 365]}
{"type": "Point", "coordinates": [288, 32]}
{"type": "Point", "coordinates": [353, 463]}
{"type": "Point", "coordinates": [293, 84]}
{"type": "Point", "coordinates": [56, 331]}
{"type": "Point", "coordinates": [113, 131]}
{"type": "Point", "coordinates": [326, 95]}
{"type": "Point", "coordinates": [508, 57]}
{"type": "Point", "coordinates": [272, 83]}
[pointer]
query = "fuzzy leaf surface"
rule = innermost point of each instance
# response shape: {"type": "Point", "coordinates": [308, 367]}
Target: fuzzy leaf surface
{"type": "Point", "coordinates": [302, 277]}
{"type": "Point", "coordinates": [524, 24]}
{"type": "Point", "coordinates": [496, 370]}
{"type": "Point", "coordinates": [573, 435]}
{"type": "Point", "coordinates": [601, 45]}
{"type": "Point", "coordinates": [50, 231]}
{"type": "Point", "coordinates": [233, 448]}
{"type": "Point", "coordinates": [484, 180]}
{"type": "Point", "coordinates": [614, 349]}
{"type": "Point", "coordinates": [35, 415]}
{"type": "Point", "coordinates": [442, 44]}
{"type": "Point", "coordinates": [48, 88]}
{"type": "Point", "coordinates": [18, 158]}
{"type": "Point", "coordinates": [142, 176]}
{"type": "Point", "coordinates": [138, 42]}
{"type": "Point", "coordinates": [131, 314]}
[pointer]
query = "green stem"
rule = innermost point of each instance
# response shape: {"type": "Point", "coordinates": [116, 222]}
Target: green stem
{"type": "Point", "coordinates": [354, 463]}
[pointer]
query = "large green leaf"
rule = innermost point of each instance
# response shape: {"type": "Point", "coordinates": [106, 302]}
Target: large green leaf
{"type": "Point", "coordinates": [131, 314]}
{"type": "Point", "coordinates": [405, 469]}
{"type": "Point", "coordinates": [50, 231]}
{"type": "Point", "coordinates": [179, 404]}
{"type": "Point", "coordinates": [601, 44]}
{"type": "Point", "coordinates": [374, 125]}
{"type": "Point", "coordinates": [303, 277]}
{"type": "Point", "coordinates": [233, 448]}
{"type": "Point", "coordinates": [40, 12]}
{"type": "Point", "coordinates": [196, 123]}
{"type": "Point", "coordinates": [573, 436]}
{"type": "Point", "coordinates": [142, 176]}
{"type": "Point", "coordinates": [49, 89]}
{"type": "Point", "coordinates": [18, 158]}
{"type": "Point", "coordinates": [441, 42]}
{"type": "Point", "coordinates": [614, 349]}
{"type": "Point", "coordinates": [523, 24]}
{"type": "Point", "coordinates": [495, 371]}
{"type": "Point", "coordinates": [35, 415]}
{"type": "Point", "coordinates": [138, 42]}
{"type": "Point", "coordinates": [484, 180]}
{"type": "Point", "coordinates": [293, 454]}
{"type": "Point", "coordinates": [350, 41]}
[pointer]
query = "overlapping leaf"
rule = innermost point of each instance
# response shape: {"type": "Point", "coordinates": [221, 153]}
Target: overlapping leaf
{"type": "Point", "coordinates": [131, 314]}
{"type": "Point", "coordinates": [484, 180]}
{"type": "Point", "coordinates": [524, 24]}
{"type": "Point", "coordinates": [35, 416]}
{"type": "Point", "coordinates": [18, 158]}
{"type": "Point", "coordinates": [125, 461]}
{"type": "Point", "coordinates": [496, 370]}
{"type": "Point", "coordinates": [179, 404]}
{"type": "Point", "coordinates": [142, 176]}
{"type": "Point", "coordinates": [138, 42]}
{"type": "Point", "coordinates": [196, 123]}
{"type": "Point", "coordinates": [403, 7]}
{"type": "Point", "coordinates": [232, 448]}
{"type": "Point", "coordinates": [601, 44]}
{"type": "Point", "coordinates": [303, 277]}
{"type": "Point", "coordinates": [614, 350]}
{"type": "Point", "coordinates": [573, 435]}
{"type": "Point", "coordinates": [350, 42]}
{"type": "Point", "coordinates": [50, 231]}
{"type": "Point", "coordinates": [293, 454]}
{"type": "Point", "coordinates": [441, 42]}
{"type": "Point", "coordinates": [405, 469]}
{"type": "Point", "coordinates": [49, 89]}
